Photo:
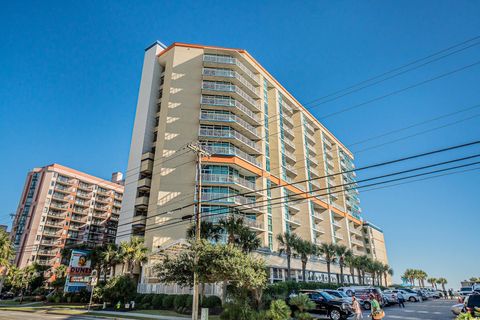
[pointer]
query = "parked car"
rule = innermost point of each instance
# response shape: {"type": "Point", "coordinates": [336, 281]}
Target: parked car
{"type": "Point", "coordinates": [389, 299]}
{"type": "Point", "coordinates": [412, 297]}
{"type": "Point", "coordinates": [339, 294]}
{"type": "Point", "coordinates": [363, 293]}
{"type": "Point", "coordinates": [422, 294]}
{"type": "Point", "coordinates": [472, 304]}
{"type": "Point", "coordinates": [457, 308]}
{"type": "Point", "coordinates": [466, 291]}
{"type": "Point", "coordinates": [326, 304]}
{"type": "Point", "coordinates": [7, 295]}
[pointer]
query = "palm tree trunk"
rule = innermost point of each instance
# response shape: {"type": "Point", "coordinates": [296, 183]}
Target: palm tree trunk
{"type": "Point", "coordinates": [328, 271]}
{"type": "Point", "coordinates": [288, 267]}
{"type": "Point", "coordinates": [341, 273]}
{"type": "Point", "coordinates": [386, 283]}
{"type": "Point", "coordinates": [304, 270]}
{"type": "Point", "coordinates": [353, 275]}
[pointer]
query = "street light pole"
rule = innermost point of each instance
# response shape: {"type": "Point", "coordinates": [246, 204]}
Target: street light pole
{"type": "Point", "coordinates": [197, 148]}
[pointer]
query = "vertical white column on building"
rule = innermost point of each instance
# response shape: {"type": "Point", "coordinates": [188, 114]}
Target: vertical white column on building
{"type": "Point", "coordinates": [142, 135]}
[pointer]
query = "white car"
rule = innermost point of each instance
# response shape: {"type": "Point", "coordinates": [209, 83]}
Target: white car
{"type": "Point", "coordinates": [466, 291]}
{"type": "Point", "coordinates": [457, 308]}
{"type": "Point", "coordinates": [409, 296]}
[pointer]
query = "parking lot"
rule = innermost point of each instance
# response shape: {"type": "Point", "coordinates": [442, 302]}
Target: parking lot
{"type": "Point", "coordinates": [430, 309]}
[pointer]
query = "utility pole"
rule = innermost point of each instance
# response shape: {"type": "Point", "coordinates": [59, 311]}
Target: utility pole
{"type": "Point", "coordinates": [197, 148]}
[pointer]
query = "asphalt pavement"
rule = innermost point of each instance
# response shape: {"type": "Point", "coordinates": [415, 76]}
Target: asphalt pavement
{"type": "Point", "coordinates": [430, 309]}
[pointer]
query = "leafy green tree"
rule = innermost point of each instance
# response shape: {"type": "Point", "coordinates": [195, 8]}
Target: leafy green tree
{"type": "Point", "coordinates": [328, 251]}
{"type": "Point", "coordinates": [121, 288]}
{"type": "Point", "coordinates": [286, 244]}
{"type": "Point", "coordinates": [304, 249]}
{"type": "Point", "coordinates": [6, 252]}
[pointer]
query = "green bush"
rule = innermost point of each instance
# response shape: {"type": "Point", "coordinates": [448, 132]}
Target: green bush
{"type": "Point", "coordinates": [212, 302]}
{"type": "Point", "coordinates": [238, 311]}
{"type": "Point", "coordinates": [180, 301]}
{"type": "Point", "coordinates": [157, 301]}
{"type": "Point", "coordinates": [147, 299]}
{"type": "Point", "coordinates": [189, 302]}
{"type": "Point", "coordinates": [121, 288]}
{"type": "Point", "coordinates": [167, 302]}
{"type": "Point", "coordinates": [279, 310]}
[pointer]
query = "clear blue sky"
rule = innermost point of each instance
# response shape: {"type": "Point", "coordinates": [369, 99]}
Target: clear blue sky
{"type": "Point", "coordinates": [69, 76]}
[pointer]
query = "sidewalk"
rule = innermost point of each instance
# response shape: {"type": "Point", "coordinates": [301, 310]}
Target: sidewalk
{"type": "Point", "coordinates": [137, 314]}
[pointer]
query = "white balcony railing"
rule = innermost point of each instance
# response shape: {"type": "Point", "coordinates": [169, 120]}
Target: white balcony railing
{"type": "Point", "coordinates": [227, 178]}
{"type": "Point", "coordinates": [220, 133]}
{"type": "Point", "coordinates": [220, 117]}
{"type": "Point", "coordinates": [230, 60]}
{"type": "Point", "coordinates": [228, 87]}
{"type": "Point", "coordinates": [228, 102]}
{"type": "Point", "coordinates": [214, 72]}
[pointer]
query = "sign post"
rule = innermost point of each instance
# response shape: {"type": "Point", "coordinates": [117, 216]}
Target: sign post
{"type": "Point", "coordinates": [93, 283]}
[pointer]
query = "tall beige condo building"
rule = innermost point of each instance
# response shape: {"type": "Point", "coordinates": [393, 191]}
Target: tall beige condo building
{"type": "Point", "coordinates": [261, 142]}
{"type": "Point", "coordinates": [60, 207]}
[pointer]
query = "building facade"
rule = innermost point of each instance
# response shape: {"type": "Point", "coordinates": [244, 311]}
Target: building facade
{"type": "Point", "coordinates": [62, 207]}
{"type": "Point", "coordinates": [271, 161]}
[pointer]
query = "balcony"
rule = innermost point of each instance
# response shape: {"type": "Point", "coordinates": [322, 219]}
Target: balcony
{"type": "Point", "coordinates": [83, 195]}
{"type": "Point", "coordinates": [100, 214]}
{"type": "Point", "coordinates": [235, 77]}
{"type": "Point", "coordinates": [249, 222]}
{"type": "Point", "coordinates": [144, 184]}
{"type": "Point", "coordinates": [236, 137]}
{"type": "Point", "coordinates": [327, 144]}
{"type": "Point", "coordinates": [315, 172]}
{"type": "Point", "coordinates": [102, 208]}
{"type": "Point", "coordinates": [146, 165]}
{"type": "Point", "coordinates": [289, 144]}
{"type": "Point", "coordinates": [290, 170]}
{"type": "Point", "coordinates": [61, 197]}
{"type": "Point", "coordinates": [56, 215]}
{"type": "Point", "coordinates": [232, 151]}
{"type": "Point", "coordinates": [313, 161]}
{"type": "Point", "coordinates": [289, 110]}
{"type": "Point", "coordinates": [226, 199]}
{"type": "Point", "coordinates": [85, 186]}
{"type": "Point", "coordinates": [65, 181]}
{"type": "Point", "coordinates": [356, 232]}
{"type": "Point", "coordinates": [58, 206]}
{"type": "Point", "coordinates": [139, 222]}
{"type": "Point", "coordinates": [292, 207]}
{"type": "Point", "coordinates": [53, 224]}
{"type": "Point", "coordinates": [46, 253]}
{"type": "Point", "coordinates": [290, 157]}
{"type": "Point", "coordinates": [45, 242]}
{"type": "Point", "coordinates": [216, 179]}
{"type": "Point", "coordinates": [78, 219]}
{"type": "Point", "coordinates": [294, 223]}
{"type": "Point", "coordinates": [288, 132]}
{"type": "Point", "coordinates": [103, 192]}
{"type": "Point", "coordinates": [357, 242]}
{"type": "Point", "coordinates": [44, 262]}
{"type": "Point", "coordinates": [234, 121]}
{"type": "Point", "coordinates": [214, 60]}
{"type": "Point", "coordinates": [318, 230]}
{"type": "Point", "coordinates": [311, 150]}
{"type": "Point", "coordinates": [232, 104]}
{"type": "Point", "coordinates": [141, 202]}
{"type": "Point", "coordinates": [338, 236]}
{"type": "Point", "coordinates": [317, 217]}
{"type": "Point", "coordinates": [330, 163]}
{"type": "Point", "coordinates": [53, 234]}
{"type": "Point", "coordinates": [316, 185]}
{"type": "Point", "coordinates": [80, 211]}
{"type": "Point", "coordinates": [84, 204]}
{"type": "Point", "coordinates": [239, 94]}
{"type": "Point", "coordinates": [61, 188]}
{"type": "Point", "coordinates": [309, 128]}
{"type": "Point", "coordinates": [103, 200]}
{"type": "Point", "coordinates": [336, 224]}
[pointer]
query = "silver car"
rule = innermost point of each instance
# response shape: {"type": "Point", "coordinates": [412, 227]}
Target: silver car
{"type": "Point", "coordinates": [457, 308]}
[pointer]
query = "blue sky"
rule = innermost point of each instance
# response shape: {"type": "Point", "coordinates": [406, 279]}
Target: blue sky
{"type": "Point", "coordinates": [69, 77]}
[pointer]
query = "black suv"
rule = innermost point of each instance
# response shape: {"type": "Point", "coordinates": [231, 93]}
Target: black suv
{"type": "Point", "coordinates": [326, 304]}
{"type": "Point", "coordinates": [472, 303]}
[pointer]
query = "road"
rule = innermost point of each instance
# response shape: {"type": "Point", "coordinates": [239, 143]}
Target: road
{"type": "Point", "coordinates": [431, 309]}
{"type": "Point", "coordinates": [19, 315]}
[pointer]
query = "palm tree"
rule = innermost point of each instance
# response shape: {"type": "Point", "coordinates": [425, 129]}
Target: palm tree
{"type": "Point", "coordinates": [432, 281]}
{"type": "Point", "coordinates": [248, 240]}
{"type": "Point", "coordinates": [362, 266]}
{"type": "Point", "coordinates": [387, 271]}
{"type": "Point", "coordinates": [443, 282]}
{"type": "Point", "coordinates": [342, 253]}
{"type": "Point", "coordinates": [421, 276]}
{"type": "Point", "coordinates": [328, 250]}
{"type": "Point", "coordinates": [372, 268]}
{"type": "Point", "coordinates": [304, 249]}
{"type": "Point", "coordinates": [232, 226]}
{"type": "Point", "coordinates": [208, 231]}
{"type": "Point", "coordinates": [410, 274]}
{"type": "Point", "coordinates": [286, 243]}
{"type": "Point", "coordinates": [351, 262]}
{"type": "Point", "coordinates": [132, 253]}
{"type": "Point", "coordinates": [109, 258]}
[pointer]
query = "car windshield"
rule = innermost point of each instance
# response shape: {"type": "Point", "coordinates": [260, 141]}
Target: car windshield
{"type": "Point", "coordinates": [341, 294]}
{"type": "Point", "coordinates": [466, 289]}
{"type": "Point", "coordinates": [327, 296]}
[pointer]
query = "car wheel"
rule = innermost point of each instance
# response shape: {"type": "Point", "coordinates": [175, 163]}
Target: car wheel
{"type": "Point", "coordinates": [412, 299]}
{"type": "Point", "coordinates": [366, 305]}
{"type": "Point", "coordinates": [335, 314]}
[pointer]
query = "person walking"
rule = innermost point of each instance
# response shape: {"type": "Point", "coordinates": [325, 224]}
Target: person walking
{"type": "Point", "coordinates": [376, 312]}
{"type": "Point", "coordinates": [401, 300]}
{"type": "Point", "coordinates": [357, 310]}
